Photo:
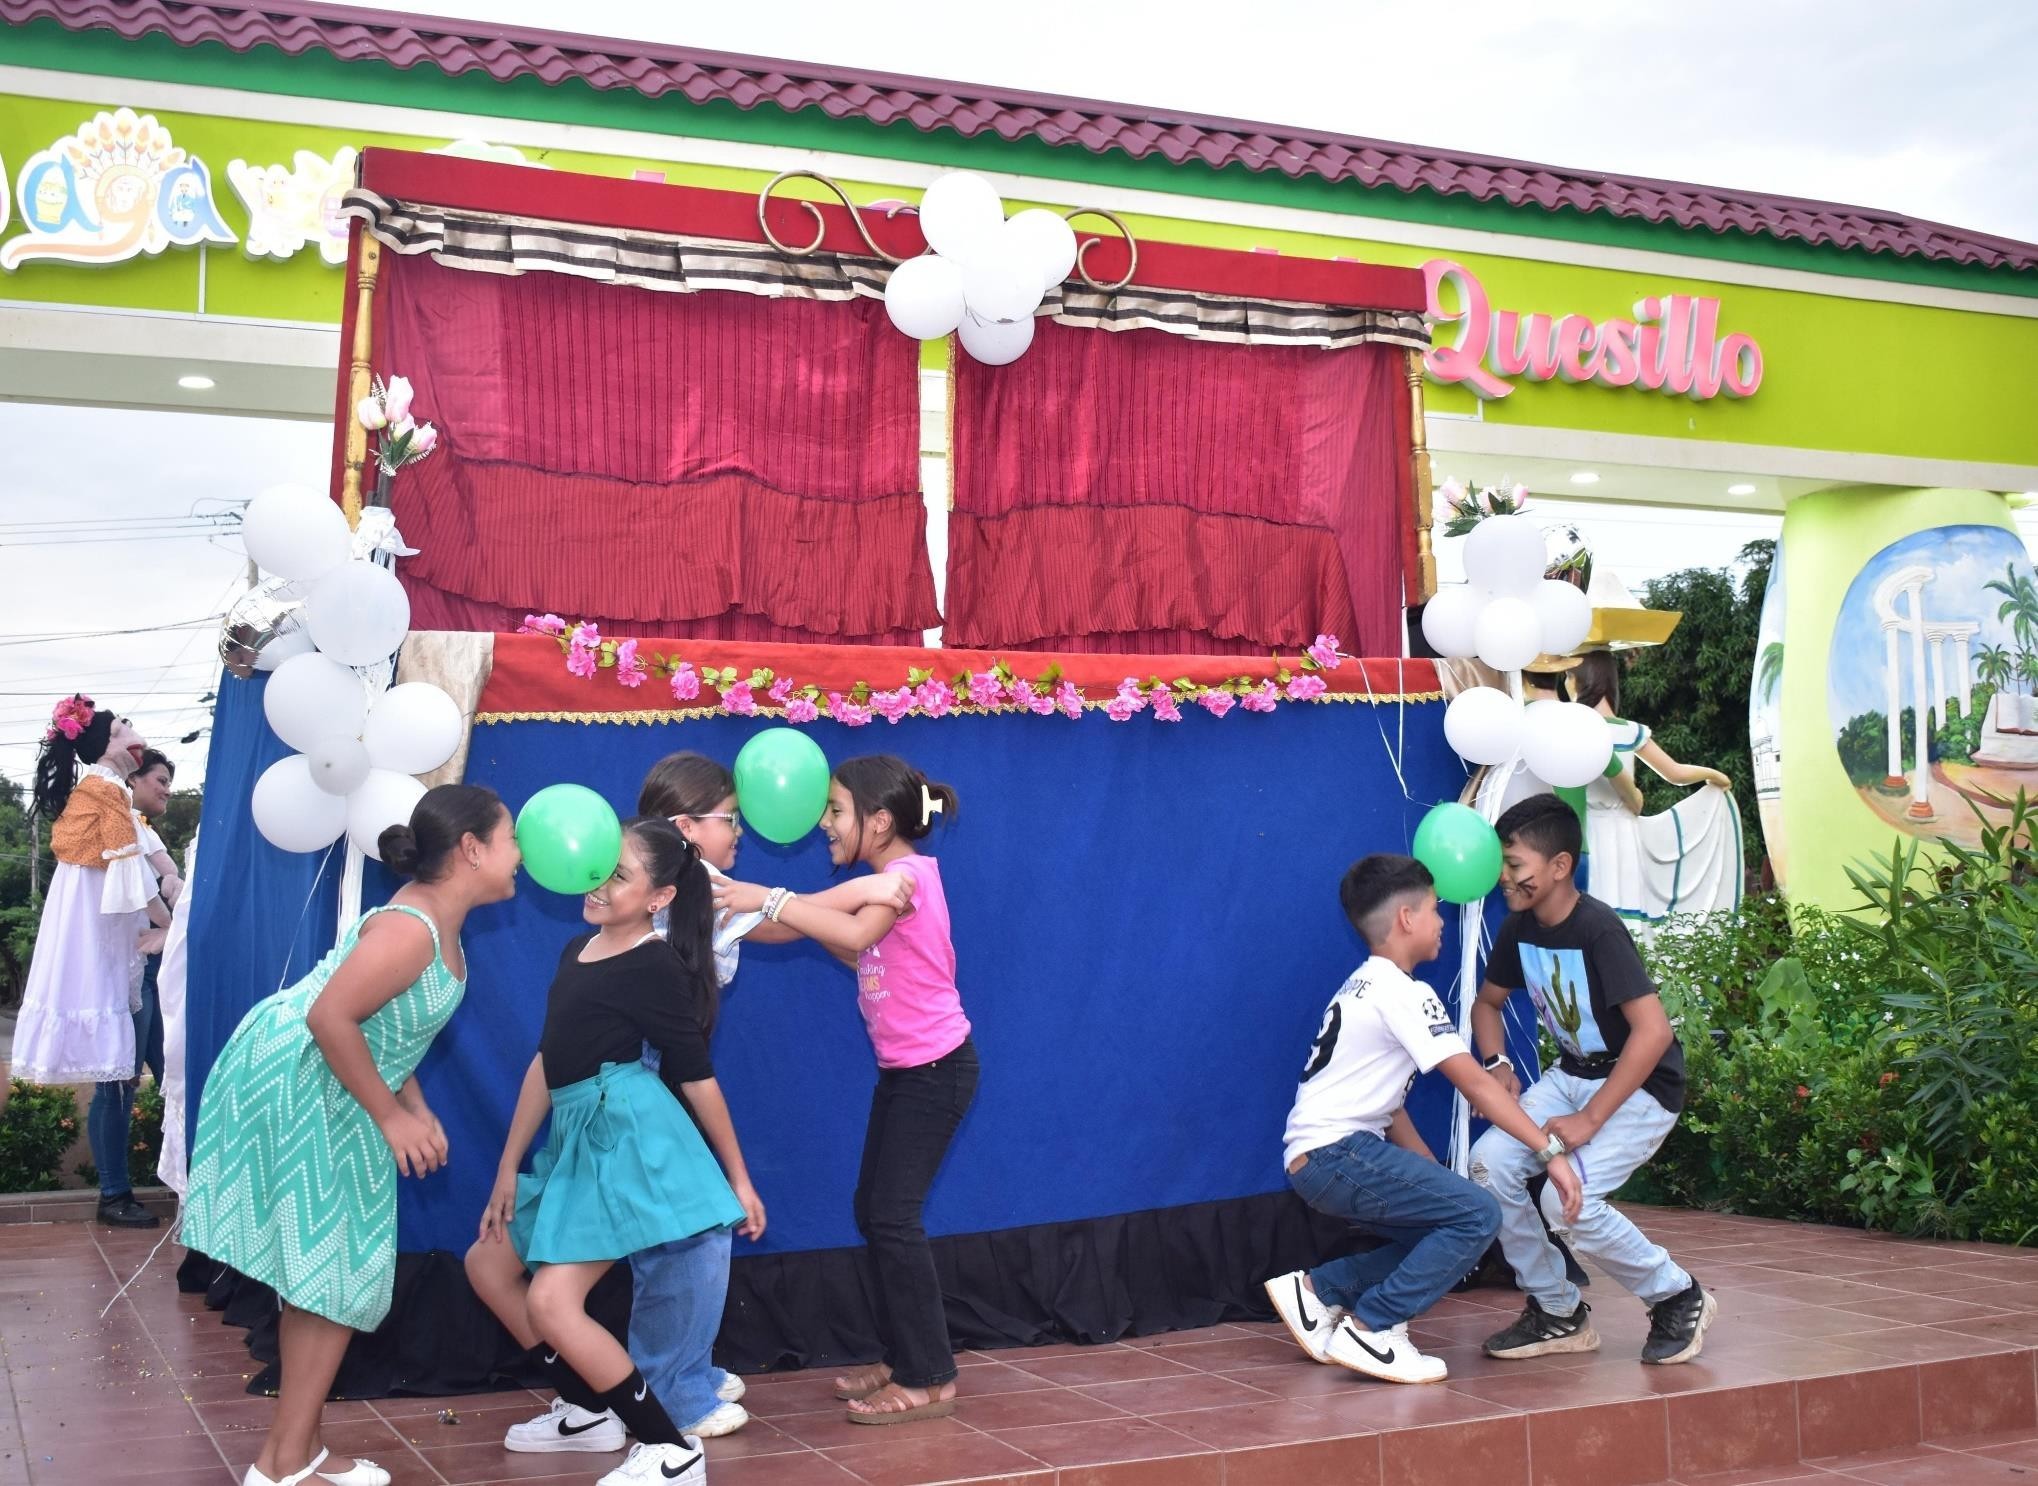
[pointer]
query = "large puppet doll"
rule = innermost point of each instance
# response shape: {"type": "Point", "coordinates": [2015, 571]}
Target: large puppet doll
{"type": "Point", "coordinates": [76, 1023]}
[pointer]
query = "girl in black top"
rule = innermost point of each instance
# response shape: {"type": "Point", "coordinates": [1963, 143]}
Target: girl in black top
{"type": "Point", "coordinates": [623, 1167]}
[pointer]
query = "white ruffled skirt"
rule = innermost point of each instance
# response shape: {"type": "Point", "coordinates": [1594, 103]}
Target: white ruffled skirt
{"type": "Point", "coordinates": [75, 1024]}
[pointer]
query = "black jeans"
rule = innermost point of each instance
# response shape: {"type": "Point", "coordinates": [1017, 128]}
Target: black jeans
{"type": "Point", "coordinates": [913, 1116]}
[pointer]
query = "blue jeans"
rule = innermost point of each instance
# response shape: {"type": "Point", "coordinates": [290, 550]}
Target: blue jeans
{"type": "Point", "coordinates": [675, 1311]}
{"type": "Point", "coordinates": [106, 1129]}
{"type": "Point", "coordinates": [1436, 1225]}
{"type": "Point", "coordinates": [1504, 1165]}
{"type": "Point", "coordinates": [148, 1024]}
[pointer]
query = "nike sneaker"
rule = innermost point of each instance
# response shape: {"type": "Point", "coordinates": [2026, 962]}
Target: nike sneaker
{"type": "Point", "coordinates": [1308, 1319]}
{"type": "Point", "coordinates": [1387, 1355]}
{"type": "Point", "coordinates": [567, 1427]}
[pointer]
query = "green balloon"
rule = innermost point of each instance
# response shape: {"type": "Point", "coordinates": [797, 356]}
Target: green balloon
{"type": "Point", "coordinates": [570, 838]}
{"type": "Point", "coordinates": [1461, 851]}
{"type": "Point", "coordinates": [782, 784]}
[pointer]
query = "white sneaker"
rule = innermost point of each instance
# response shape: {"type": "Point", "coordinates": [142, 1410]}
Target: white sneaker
{"type": "Point", "coordinates": [567, 1427]}
{"type": "Point", "coordinates": [1308, 1319]}
{"type": "Point", "coordinates": [732, 1388]}
{"type": "Point", "coordinates": [256, 1478]}
{"type": "Point", "coordinates": [661, 1465]}
{"type": "Point", "coordinates": [364, 1473]}
{"type": "Point", "coordinates": [725, 1418]}
{"type": "Point", "coordinates": [1387, 1355]}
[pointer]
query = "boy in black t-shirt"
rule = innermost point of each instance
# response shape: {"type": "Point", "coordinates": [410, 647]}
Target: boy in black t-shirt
{"type": "Point", "coordinates": [1612, 1098]}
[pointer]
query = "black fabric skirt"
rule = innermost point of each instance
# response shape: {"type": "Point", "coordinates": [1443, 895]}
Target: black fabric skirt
{"type": "Point", "coordinates": [1169, 1269]}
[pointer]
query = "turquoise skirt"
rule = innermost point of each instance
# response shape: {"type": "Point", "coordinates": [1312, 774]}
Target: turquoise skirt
{"type": "Point", "coordinates": [623, 1170]}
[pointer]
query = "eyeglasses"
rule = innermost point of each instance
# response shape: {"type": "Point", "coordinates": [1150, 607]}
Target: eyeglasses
{"type": "Point", "coordinates": [728, 818]}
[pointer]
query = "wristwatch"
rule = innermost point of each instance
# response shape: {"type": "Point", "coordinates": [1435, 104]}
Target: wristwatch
{"type": "Point", "coordinates": [1496, 1060]}
{"type": "Point", "coordinates": [1552, 1151]}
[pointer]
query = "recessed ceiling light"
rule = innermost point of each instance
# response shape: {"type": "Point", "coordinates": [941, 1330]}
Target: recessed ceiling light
{"type": "Point", "coordinates": [1585, 477]}
{"type": "Point", "coordinates": [195, 384]}
{"type": "Point", "coordinates": [1741, 489]}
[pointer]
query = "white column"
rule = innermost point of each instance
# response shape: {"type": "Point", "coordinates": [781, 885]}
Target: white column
{"type": "Point", "coordinates": [1893, 672]}
{"type": "Point", "coordinates": [1939, 682]}
{"type": "Point", "coordinates": [1921, 780]}
{"type": "Point", "coordinates": [1966, 673]}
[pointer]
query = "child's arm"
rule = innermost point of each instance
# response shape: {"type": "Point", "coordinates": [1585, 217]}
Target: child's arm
{"type": "Point", "coordinates": [839, 932]}
{"type": "Point", "coordinates": [1401, 1131]}
{"type": "Point", "coordinates": [166, 876]}
{"type": "Point", "coordinates": [534, 1102]}
{"type": "Point", "coordinates": [704, 1097]}
{"type": "Point", "coordinates": [1489, 1035]}
{"type": "Point", "coordinates": [1651, 753]}
{"type": "Point", "coordinates": [391, 953]}
{"type": "Point", "coordinates": [892, 890]}
{"type": "Point", "coordinates": [1649, 1037]}
{"type": "Point", "coordinates": [1485, 1094]}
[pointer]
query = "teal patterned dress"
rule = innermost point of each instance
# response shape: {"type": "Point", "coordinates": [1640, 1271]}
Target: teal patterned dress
{"type": "Point", "coordinates": [291, 1181]}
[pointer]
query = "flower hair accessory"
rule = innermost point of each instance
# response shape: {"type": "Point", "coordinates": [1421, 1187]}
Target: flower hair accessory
{"type": "Point", "coordinates": [70, 717]}
{"type": "Point", "coordinates": [929, 806]}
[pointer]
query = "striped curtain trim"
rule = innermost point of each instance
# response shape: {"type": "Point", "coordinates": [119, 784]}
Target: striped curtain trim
{"type": "Point", "coordinates": [492, 243]}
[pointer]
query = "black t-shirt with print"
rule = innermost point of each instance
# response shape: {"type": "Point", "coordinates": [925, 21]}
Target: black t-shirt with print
{"type": "Point", "coordinates": [1579, 973]}
{"type": "Point", "coordinates": [606, 1011]}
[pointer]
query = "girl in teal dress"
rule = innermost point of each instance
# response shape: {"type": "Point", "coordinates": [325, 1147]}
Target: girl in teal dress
{"type": "Point", "coordinates": [312, 1111]}
{"type": "Point", "coordinates": [623, 1168]}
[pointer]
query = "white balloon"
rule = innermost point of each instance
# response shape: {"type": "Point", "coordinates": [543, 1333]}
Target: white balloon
{"type": "Point", "coordinates": [413, 728]}
{"type": "Point", "coordinates": [1046, 241]}
{"type": "Point", "coordinates": [1483, 725]}
{"type": "Point", "coordinates": [288, 642]}
{"type": "Point", "coordinates": [1508, 635]}
{"type": "Point", "coordinates": [338, 764]}
{"type": "Point", "coordinates": [358, 613]}
{"type": "Point", "coordinates": [996, 288]}
{"type": "Point", "coordinates": [384, 799]}
{"type": "Point", "coordinates": [924, 297]}
{"type": "Point", "coordinates": [1565, 614]}
{"type": "Point", "coordinates": [295, 533]}
{"type": "Point", "coordinates": [1505, 554]}
{"type": "Point", "coordinates": [1450, 622]}
{"type": "Point", "coordinates": [960, 215]}
{"type": "Point", "coordinates": [1566, 743]}
{"type": "Point", "coordinates": [313, 697]}
{"type": "Point", "coordinates": [291, 811]}
{"type": "Point", "coordinates": [996, 344]}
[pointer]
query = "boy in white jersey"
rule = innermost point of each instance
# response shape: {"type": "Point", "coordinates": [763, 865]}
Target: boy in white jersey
{"type": "Point", "coordinates": [1352, 1152]}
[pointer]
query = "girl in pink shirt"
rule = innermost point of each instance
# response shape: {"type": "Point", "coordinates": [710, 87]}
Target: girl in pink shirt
{"type": "Point", "coordinates": [878, 808]}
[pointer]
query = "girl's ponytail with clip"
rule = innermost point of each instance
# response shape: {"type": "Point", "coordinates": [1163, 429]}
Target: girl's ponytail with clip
{"type": "Point", "coordinates": [935, 799]}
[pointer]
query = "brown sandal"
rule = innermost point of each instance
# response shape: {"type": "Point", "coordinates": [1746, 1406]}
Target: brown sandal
{"type": "Point", "coordinates": [934, 1408]}
{"type": "Point", "coordinates": [850, 1395]}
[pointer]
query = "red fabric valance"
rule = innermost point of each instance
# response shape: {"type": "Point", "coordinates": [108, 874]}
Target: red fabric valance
{"type": "Point", "coordinates": [1113, 492]}
{"type": "Point", "coordinates": [713, 463]}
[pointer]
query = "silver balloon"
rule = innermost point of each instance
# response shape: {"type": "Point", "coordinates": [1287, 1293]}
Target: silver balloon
{"type": "Point", "coordinates": [1570, 556]}
{"type": "Point", "coordinates": [258, 620]}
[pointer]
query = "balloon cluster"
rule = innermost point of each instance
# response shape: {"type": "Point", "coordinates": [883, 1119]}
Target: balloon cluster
{"type": "Point", "coordinates": [1507, 614]}
{"type": "Point", "coordinates": [357, 751]}
{"type": "Point", "coordinates": [985, 274]}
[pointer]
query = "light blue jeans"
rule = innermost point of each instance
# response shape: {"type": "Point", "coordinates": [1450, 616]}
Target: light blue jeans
{"type": "Point", "coordinates": [675, 1312]}
{"type": "Point", "coordinates": [1504, 1165]}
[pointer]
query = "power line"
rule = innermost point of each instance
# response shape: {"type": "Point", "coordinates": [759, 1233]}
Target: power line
{"type": "Point", "coordinates": [103, 634]}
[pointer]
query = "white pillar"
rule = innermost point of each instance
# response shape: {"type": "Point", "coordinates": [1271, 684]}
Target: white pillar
{"type": "Point", "coordinates": [1939, 682]}
{"type": "Point", "coordinates": [1921, 780]}
{"type": "Point", "coordinates": [1893, 672]}
{"type": "Point", "coordinates": [1966, 673]}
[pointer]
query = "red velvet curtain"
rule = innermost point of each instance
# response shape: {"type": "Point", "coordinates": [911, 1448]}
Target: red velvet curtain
{"type": "Point", "coordinates": [715, 465]}
{"type": "Point", "coordinates": [1143, 492]}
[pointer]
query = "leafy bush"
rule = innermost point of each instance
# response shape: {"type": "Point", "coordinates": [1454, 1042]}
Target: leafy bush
{"type": "Point", "coordinates": [145, 1137]}
{"type": "Point", "coordinates": [38, 1126]}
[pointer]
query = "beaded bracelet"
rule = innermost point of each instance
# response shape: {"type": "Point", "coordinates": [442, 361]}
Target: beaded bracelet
{"type": "Point", "coordinates": [775, 901]}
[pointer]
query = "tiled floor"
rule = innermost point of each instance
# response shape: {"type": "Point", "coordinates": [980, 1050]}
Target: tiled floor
{"type": "Point", "coordinates": [1838, 1356]}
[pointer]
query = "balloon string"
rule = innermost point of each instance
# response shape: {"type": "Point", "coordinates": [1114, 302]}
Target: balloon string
{"type": "Point", "coordinates": [1393, 757]}
{"type": "Point", "coordinates": [291, 948]}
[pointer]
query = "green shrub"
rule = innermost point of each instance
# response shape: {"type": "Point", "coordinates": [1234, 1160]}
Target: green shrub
{"type": "Point", "coordinates": [39, 1125]}
{"type": "Point", "coordinates": [145, 1137]}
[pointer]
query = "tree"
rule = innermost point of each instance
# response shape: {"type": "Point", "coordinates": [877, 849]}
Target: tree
{"type": "Point", "coordinates": [1693, 689]}
{"type": "Point", "coordinates": [19, 910]}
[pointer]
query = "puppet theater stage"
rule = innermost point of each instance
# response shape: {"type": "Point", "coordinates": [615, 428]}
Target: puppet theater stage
{"type": "Point", "coordinates": [654, 419]}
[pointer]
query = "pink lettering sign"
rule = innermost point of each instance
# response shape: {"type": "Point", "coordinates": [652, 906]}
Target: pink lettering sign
{"type": "Point", "coordinates": [1672, 344]}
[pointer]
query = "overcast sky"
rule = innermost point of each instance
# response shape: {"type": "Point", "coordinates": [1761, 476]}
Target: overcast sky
{"type": "Point", "coordinates": [1925, 110]}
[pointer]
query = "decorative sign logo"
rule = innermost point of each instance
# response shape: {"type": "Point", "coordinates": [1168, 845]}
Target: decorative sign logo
{"type": "Point", "coordinates": [1669, 346]}
{"type": "Point", "coordinates": [291, 209]}
{"type": "Point", "coordinates": [117, 188]}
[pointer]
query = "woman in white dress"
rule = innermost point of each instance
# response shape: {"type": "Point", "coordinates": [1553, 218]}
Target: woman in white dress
{"type": "Point", "coordinates": [1686, 859]}
{"type": "Point", "coordinates": [77, 1023]}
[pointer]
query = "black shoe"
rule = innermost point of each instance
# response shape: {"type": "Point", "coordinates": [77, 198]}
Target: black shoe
{"type": "Point", "coordinates": [125, 1212]}
{"type": "Point", "coordinates": [1539, 1334]}
{"type": "Point", "coordinates": [1677, 1326]}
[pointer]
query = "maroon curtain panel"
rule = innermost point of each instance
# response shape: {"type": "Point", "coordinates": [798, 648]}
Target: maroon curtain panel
{"type": "Point", "coordinates": [716, 465]}
{"type": "Point", "coordinates": [1143, 492]}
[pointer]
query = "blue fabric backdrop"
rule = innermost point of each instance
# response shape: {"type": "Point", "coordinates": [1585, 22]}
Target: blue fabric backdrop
{"type": "Point", "coordinates": [1145, 916]}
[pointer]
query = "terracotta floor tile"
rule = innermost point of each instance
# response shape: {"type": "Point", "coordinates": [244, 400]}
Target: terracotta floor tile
{"type": "Point", "coordinates": [95, 1463]}
{"type": "Point", "coordinates": [1733, 1428]}
{"type": "Point", "coordinates": [1569, 1389]}
{"type": "Point", "coordinates": [1347, 1462]}
{"type": "Point", "coordinates": [238, 1415]}
{"type": "Point", "coordinates": [1234, 1353]}
{"type": "Point", "coordinates": [2021, 1452]}
{"type": "Point", "coordinates": [1150, 1396]}
{"type": "Point", "coordinates": [888, 1460]}
{"type": "Point", "coordinates": [1940, 1470]}
{"type": "Point", "coordinates": [1613, 1444]}
{"type": "Point", "coordinates": [468, 1463]}
{"type": "Point", "coordinates": [1812, 1322]}
{"type": "Point", "coordinates": [466, 1403]}
{"type": "Point", "coordinates": [44, 1429]}
{"type": "Point", "coordinates": [2016, 1328]}
{"type": "Point", "coordinates": [1854, 1412]}
{"type": "Point", "coordinates": [1974, 1394]}
{"type": "Point", "coordinates": [1491, 1452]}
{"type": "Point", "coordinates": [1925, 1343]}
{"type": "Point", "coordinates": [1242, 1426]}
{"type": "Point", "coordinates": [1388, 1406]}
{"type": "Point", "coordinates": [807, 1469]}
{"type": "Point", "coordinates": [1120, 1365]}
{"type": "Point", "coordinates": [1919, 1310]}
{"type": "Point", "coordinates": [828, 1428]}
{"type": "Point", "coordinates": [1100, 1441]}
{"type": "Point", "coordinates": [1001, 1411]}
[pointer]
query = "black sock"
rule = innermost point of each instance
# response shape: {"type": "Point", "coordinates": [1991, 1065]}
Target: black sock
{"type": "Point", "coordinates": [567, 1383]}
{"type": "Point", "coordinates": [642, 1414]}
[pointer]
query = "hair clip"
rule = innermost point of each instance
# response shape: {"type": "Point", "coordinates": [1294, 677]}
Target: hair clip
{"type": "Point", "coordinates": [929, 806]}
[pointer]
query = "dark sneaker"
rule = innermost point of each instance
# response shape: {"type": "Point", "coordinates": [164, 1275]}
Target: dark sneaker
{"type": "Point", "coordinates": [1539, 1334]}
{"type": "Point", "coordinates": [125, 1212]}
{"type": "Point", "coordinates": [1677, 1326]}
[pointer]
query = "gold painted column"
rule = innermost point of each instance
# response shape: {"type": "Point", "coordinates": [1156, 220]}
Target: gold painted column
{"type": "Point", "coordinates": [1418, 444]}
{"type": "Point", "coordinates": [360, 376]}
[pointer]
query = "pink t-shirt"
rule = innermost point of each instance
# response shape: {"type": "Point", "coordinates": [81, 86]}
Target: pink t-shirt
{"type": "Point", "coordinates": [906, 981]}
